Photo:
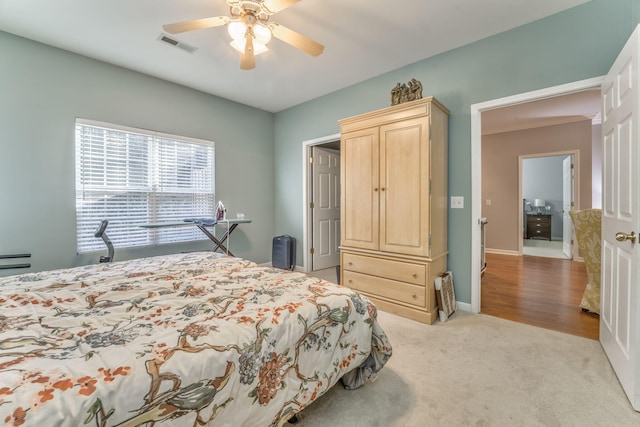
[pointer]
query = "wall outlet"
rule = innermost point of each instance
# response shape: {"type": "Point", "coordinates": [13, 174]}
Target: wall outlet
{"type": "Point", "coordinates": [457, 202]}
{"type": "Point", "coordinates": [488, 202]}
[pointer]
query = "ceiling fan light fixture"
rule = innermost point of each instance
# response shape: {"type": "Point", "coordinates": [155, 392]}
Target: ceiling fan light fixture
{"type": "Point", "coordinates": [258, 48]}
{"type": "Point", "coordinates": [250, 29]}
{"type": "Point", "coordinates": [262, 33]}
{"type": "Point", "coordinates": [237, 30]}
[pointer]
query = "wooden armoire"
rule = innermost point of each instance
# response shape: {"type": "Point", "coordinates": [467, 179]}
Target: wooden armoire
{"type": "Point", "coordinates": [394, 206]}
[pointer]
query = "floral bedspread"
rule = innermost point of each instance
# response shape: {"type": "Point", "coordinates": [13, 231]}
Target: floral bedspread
{"type": "Point", "coordinates": [178, 340]}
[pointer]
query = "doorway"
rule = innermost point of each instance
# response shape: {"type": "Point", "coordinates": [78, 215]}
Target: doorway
{"type": "Point", "coordinates": [321, 211]}
{"type": "Point", "coordinates": [477, 152]}
{"type": "Point", "coordinates": [476, 164]}
{"type": "Point", "coordinates": [548, 183]}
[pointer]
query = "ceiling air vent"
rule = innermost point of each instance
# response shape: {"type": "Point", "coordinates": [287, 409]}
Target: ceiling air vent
{"type": "Point", "coordinates": [173, 42]}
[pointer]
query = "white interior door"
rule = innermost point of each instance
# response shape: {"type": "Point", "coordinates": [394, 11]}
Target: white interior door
{"type": "Point", "coordinates": [326, 208]}
{"type": "Point", "coordinates": [567, 205]}
{"type": "Point", "coordinates": [619, 294]}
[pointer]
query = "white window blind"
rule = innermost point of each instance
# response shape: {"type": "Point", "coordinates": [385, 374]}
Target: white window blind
{"type": "Point", "coordinates": [133, 177]}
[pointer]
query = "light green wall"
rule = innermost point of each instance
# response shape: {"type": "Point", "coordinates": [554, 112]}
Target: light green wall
{"type": "Point", "coordinates": [573, 45]}
{"type": "Point", "coordinates": [43, 90]}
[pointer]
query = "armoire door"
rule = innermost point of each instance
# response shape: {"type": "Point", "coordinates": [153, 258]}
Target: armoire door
{"type": "Point", "coordinates": [404, 187]}
{"type": "Point", "coordinates": [360, 196]}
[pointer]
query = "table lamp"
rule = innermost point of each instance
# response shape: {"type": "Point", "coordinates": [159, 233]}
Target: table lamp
{"type": "Point", "coordinates": [538, 203]}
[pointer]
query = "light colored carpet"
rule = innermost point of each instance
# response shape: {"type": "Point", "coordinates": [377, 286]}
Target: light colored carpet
{"type": "Point", "coordinates": [329, 274]}
{"type": "Point", "coordinates": [478, 370]}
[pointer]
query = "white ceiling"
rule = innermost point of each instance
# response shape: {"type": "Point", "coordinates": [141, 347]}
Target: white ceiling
{"type": "Point", "coordinates": [557, 110]}
{"type": "Point", "coordinates": [362, 38]}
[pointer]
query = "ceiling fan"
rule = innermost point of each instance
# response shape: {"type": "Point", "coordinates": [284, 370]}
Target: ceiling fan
{"type": "Point", "coordinates": [250, 28]}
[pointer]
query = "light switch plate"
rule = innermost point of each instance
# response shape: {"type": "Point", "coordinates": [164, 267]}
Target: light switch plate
{"type": "Point", "coordinates": [457, 202]}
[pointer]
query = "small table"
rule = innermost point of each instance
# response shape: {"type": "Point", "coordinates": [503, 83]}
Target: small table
{"type": "Point", "coordinates": [218, 243]}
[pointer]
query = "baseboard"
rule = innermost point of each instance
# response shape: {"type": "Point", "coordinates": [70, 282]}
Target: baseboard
{"type": "Point", "coordinates": [463, 306]}
{"type": "Point", "coordinates": [501, 252]}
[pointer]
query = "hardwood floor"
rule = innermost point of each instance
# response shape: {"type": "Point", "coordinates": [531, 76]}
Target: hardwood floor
{"type": "Point", "coordinates": [543, 292]}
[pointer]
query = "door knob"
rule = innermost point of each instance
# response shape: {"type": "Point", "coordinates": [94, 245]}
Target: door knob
{"type": "Point", "coordinates": [621, 237]}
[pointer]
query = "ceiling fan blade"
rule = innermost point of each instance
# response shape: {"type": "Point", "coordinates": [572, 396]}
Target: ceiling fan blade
{"type": "Point", "coordinates": [196, 24]}
{"type": "Point", "coordinates": [278, 5]}
{"type": "Point", "coordinates": [296, 40]}
{"type": "Point", "coordinates": [248, 58]}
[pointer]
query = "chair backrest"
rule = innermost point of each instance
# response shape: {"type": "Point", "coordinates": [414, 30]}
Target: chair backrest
{"type": "Point", "coordinates": [587, 224]}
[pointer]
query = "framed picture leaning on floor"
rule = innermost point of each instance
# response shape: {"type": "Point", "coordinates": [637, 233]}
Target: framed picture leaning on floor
{"type": "Point", "coordinates": [446, 296]}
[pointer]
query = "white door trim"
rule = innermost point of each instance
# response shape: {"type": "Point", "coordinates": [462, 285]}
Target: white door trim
{"type": "Point", "coordinates": [569, 177]}
{"type": "Point", "coordinates": [476, 163]}
{"type": "Point", "coordinates": [306, 192]}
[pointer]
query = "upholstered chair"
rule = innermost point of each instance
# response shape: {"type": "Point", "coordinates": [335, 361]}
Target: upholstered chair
{"type": "Point", "coordinates": [587, 226]}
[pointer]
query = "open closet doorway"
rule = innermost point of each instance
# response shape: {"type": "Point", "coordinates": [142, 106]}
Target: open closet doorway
{"type": "Point", "coordinates": [321, 217]}
{"type": "Point", "coordinates": [548, 185]}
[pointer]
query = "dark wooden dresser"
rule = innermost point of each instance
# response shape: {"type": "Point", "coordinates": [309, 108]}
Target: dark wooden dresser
{"type": "Point", "coordinates": [539, 227]}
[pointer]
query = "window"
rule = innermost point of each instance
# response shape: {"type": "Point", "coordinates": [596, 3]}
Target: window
{"type": "Point", "coordinates": [133, 177]}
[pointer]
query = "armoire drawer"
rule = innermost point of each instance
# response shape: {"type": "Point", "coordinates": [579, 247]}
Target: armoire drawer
{"type": "Point", "coordinates": [385, 268]}
{"type": "Point", "coordinates": [391, 289]}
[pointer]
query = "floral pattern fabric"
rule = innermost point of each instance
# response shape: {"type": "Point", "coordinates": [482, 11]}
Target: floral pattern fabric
{"type": "Point", "coordinates": [588, 225]}
{"type": "Point", "coordinates": [178, 340]}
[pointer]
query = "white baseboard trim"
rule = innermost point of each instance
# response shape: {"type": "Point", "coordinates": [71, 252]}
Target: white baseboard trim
{"type": "Point", "coordinates": [501, 252]}
{"type": "Point", "coordinates": [463, 306]}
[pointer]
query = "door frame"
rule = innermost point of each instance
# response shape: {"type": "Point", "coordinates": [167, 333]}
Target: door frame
{"type": "Point", "coordinates": [476, 163]}
{"type": "Point", "coordinates": [576, 188]}
{"type": "Point", "coordinates": [307, 195]}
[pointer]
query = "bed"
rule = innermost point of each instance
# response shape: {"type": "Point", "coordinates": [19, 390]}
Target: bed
{"type": "Point", "coordinates": [186, 339]}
